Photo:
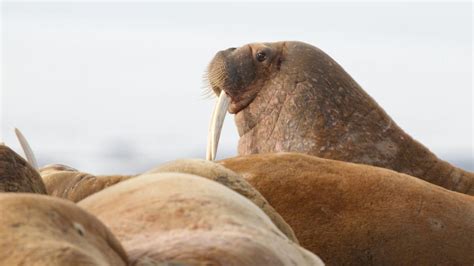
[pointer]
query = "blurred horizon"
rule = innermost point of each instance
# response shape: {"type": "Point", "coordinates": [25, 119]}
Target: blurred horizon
{"type": "Point", "coordinates": [117, 87]}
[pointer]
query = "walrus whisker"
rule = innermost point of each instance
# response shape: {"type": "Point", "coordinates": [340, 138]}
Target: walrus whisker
{"type": "Point", "coordinates": [219, 75]}
{"type": "Point", "coordinates": [207, 92]}
{"type": "Point", "coordinates": [215, 127]}
{"type": "Point", "coordinates": [207, 96]}
{"type": "Point", "coordinates": [30, 157]}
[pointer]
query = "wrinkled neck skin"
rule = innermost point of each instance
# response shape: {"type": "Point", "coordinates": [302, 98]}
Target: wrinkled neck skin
{"type": "Point", "coordinates": [325, 113]}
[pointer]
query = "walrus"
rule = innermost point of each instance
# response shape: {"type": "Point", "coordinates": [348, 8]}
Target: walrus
{"type": "Point", "coordinates": [291, 96]}
{"type": "Point", "coordinates": [68, 183]}
{"type": "Point", "coordinates": [230, 179]}
{"type": "Point", "coordinates": [64, 181]}
{"type": "Point", "coordinates": [43, 230]}
{"type": "Point", "coordinates": [17, 175]}
{"type": "Point", "coordinates": [185, 219]}
{"type": "Point", "coordinates": [355, 214]}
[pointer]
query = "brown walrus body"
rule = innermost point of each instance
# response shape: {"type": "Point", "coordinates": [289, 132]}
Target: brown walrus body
{"type": "Point", "coordinates": [68, 183]}
{"type": "Point", "coordinates": [291, 96]}
{"type": "Point", "coordinates": [183, 219]}
{"type": "Point", "coordinates": [42, 230]}
{"type": "Point", "coordinates": [230, 179]}
{"type": "Point", "coordinates": [16, 175]}
{"type": "Point", "coordinates": [353, 214]}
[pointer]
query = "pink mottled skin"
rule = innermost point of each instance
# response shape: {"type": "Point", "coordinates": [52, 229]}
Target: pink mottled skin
{"type": "Point", "coordinates": [298, 99]}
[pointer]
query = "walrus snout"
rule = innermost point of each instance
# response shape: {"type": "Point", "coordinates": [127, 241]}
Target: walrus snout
{"type": "Point", "coordinates": [232, 70]}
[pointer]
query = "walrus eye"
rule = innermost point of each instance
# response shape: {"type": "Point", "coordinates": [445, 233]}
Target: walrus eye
{"type": "Point", "coordinates": [261, 56]}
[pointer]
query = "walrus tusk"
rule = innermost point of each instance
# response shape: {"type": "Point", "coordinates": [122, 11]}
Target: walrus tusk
{"type": "Point", "coordinates": [30, 157]}
{"type": "Point", "coordinates": [208, 148]}
{"type": "Point", "coordinates": [215, 128]}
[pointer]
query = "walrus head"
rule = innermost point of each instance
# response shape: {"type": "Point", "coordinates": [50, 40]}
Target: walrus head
{"type": "Point", "coordinates": [237, 75]}
{"type": "Point", "coordinates": [287, 96]}
{"type": "Point", "coordinates": [242, 72]}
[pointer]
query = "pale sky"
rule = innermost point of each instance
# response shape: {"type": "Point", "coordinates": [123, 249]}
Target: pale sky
{"type": "Point", "coordinates": [117, 87]}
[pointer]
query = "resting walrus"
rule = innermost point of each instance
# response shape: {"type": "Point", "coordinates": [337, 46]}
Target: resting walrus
{"type": "Point", "coordinates": [353, 214]}
{"type": "Point", "coordinates": [183, 219]}
{"type": "Point", "coordinates": [230, 179]}
{"type": "Point", "coordinates": [68, 183]}
{"type": "Point", "coordinates": [17, 175]}
{"type": "Point", "coordinates": [60, 180]}
{"type": "Point", "coordinates": [291, 96]}
{"type": "Point", "coordinates": [42, 230]}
